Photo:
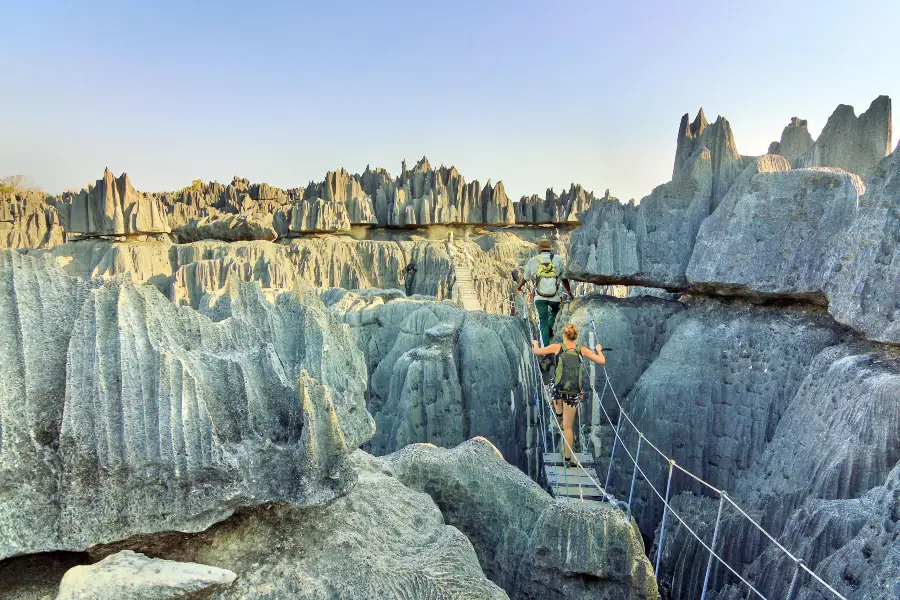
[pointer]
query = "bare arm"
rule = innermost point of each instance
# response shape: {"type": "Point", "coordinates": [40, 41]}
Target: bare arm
{"type": "Point", "coordinates": [551, 349]}
{"type": "Point", "coordinates": [565, 283]}
{"type": "Point", "coordinates": [519, 287]}
{"type": "Point", "coordinates": [596, 357]}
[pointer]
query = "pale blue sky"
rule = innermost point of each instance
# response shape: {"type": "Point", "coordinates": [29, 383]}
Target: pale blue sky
{"type": "Point", "coordinates": [535, 93]}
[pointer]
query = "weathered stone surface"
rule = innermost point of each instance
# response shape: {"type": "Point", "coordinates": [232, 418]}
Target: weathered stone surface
{"type": "Point", "coordinates": [441, 374]}
{"type": "Point", "coordinates": [531, 545]}
{"type": "Point", "coordinates": [112, 207]}
{"type": "Point", "coordinates": [38, 304]}
{"type": "Point", "coordinates": [863, 286]}
{"type": "Point", "coordinates": [649, 243]}
{"type": "Point", "coordinates": [229, 228]}
{"type": "Point", "coordinates": [379, 540]}
{"type": "Point", "coordinates": [715, 394]}
{"type": "Point", "coordinates": [28, 220]}
{"type": "Point", "coordinates": [835, 445]}
{"type": "Point", "coordinates": [128, 574]}
{"type": "Point", "coordinates": [776, 237]}
{"type": "Point", "coordinates": [795, 140]}
{"type": "Point", "coordinates": [855, 144]}
{"type": "Point", "coordinates": [554, 208]}
{"type": "Point", "coordinates": [158, 418]}
{"type": "Point", "coordinates": [718, 139]}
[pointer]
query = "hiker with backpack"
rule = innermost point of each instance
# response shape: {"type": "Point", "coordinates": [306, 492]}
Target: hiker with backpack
{"type": "Point", "coordinates": [546, 271]}
{"type": "Point", "coordinates": [568, 379]}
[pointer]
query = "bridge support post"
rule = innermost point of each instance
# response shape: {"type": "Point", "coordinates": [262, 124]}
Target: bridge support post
{"type": "Point", "coordinates": [712, 546]}
{"type": "Point", "coordinates": [612, 454]}
{"type": "Point", "coordinates": [795, 581]}
{"type": "Point", "coordinates": [637, 458]}
{"type": "Point", "coordinates": [662, 527]}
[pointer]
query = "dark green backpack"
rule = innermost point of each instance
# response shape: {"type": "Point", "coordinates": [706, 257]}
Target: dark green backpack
{"type": "Point", "coordinates": [569, 371]}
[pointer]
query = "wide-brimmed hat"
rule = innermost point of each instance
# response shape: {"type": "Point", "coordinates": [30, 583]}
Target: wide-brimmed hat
{"type": "Point", "coordinates": [545, 245]}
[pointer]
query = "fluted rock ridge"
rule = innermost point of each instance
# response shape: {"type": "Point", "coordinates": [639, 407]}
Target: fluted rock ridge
{"type": "Point", "coordinates": [137, 402]}
{"type": "Point", "coordinates": [112, 207]}
{"type": "Point", "coordinates": [855, 144]}
{"type": "Point", "coordinates": [442, 375]}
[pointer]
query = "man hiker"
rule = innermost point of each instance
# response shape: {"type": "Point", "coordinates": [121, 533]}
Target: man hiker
{"type": "Point", "coordinates": [546, 271]}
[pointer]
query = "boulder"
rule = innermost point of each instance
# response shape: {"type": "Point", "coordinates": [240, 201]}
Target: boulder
{"type": "Point", "coordinates": [379, 540]}
{"type": "Point", "coordinates": [855, 144]}
{"type": "Point", "coordinates": [528, 543]}
{"type": "Point", "coordinates": [775, 238]}
{"type": "Point", "coordinates": [158, 418]}
{"type": "Point", "coordinates": [128, 574]}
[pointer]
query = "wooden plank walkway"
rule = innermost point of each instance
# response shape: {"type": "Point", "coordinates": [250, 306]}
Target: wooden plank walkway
{"type": "Point", "coordinates": [571, 484]}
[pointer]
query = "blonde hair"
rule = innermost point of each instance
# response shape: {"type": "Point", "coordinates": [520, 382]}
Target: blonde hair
{"type": "Point", "coordinates": [570, 332]}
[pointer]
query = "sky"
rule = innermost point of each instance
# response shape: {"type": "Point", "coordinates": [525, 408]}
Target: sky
{"type": "Point", "coordinates": [537, 94]}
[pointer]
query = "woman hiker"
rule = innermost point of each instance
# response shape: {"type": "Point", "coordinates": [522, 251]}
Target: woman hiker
{"type": "Point", "coordinates": [566, 387]}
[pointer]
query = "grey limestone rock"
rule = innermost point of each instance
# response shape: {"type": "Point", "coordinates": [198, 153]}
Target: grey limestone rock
{"type": "Point", "coordinates": [775, 238]}
{"type": "Point", "coordinates": [813, 485]}
{"type": "Point", "coordinates": [144, 416]}
{"type": "Point", "coordinates": [697, 136]}
{"type": "Point", "coordinates": [228, 228]}
{"type": "Point", "coordinates": [855, 144]}
{"type": "Point", "coordinates": [863, 286]}
{"type": "Point", "coordinates": [38, 304]}
{"type": "Point", "coordinates": [28, 220]}
{"type": "Point", "coordinates": [649, 243]}
{"type": "Point", "coordinates": [128, 574]}
{"type": "Point", "coordinates": [112, 207]}
{"type": "Point", "coordinates": [795, 140]}
{"type": "Point", "coordinates": [378, 540]}
{"type": "Point", "coordinates": [528, 543]}
{"type": "Point", "coordinates": [714, 395]}
{"type": "Point", "coordinates": [441, 374]}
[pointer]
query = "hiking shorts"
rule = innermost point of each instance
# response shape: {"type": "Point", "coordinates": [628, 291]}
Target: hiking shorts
{"type": "Point", "coordinates": [572, 401]}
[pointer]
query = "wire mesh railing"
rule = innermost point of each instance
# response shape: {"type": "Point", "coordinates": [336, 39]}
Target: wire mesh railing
{"type": "Point", "coordinates": [644, 445]}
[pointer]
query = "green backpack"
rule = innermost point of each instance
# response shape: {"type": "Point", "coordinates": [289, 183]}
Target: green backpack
{"type": "Point", "coordinates": [569, 371]}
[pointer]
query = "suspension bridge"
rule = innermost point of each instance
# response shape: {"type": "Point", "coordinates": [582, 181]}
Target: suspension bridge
{"type": "Point", "coordinates": [581, 483]}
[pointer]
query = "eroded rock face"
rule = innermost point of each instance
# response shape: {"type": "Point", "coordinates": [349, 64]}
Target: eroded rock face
{"type": "Point", "coordinates": [531, 545]}
{"type": "Point", "coordinates": [855, 144]}
{"type": "Point", "coordinates": [441, 374]}
{"type": "Point", "coordinates": [649, 243]}
{"type": "Point", "coordinates": [113, 207]}
{"type": "Point", "coordinates": [819, 234]}
{"type": "Point", "coordinates": [128, 574]}
{"type": "Point", "coordinates": [721, 383]}
{"type": "Point", "coordinates": [379, 540]}
{"type": "Point", "coordinates": [776, 237]}
{"type": "Point", "coordinates": [793, 415]}
{"type": "Point", "coordinates": [863, 285]}
{"type": "Point", "coordinates": [27, 220]}
{"type": "Point", "coordinates": [152, 403]}
{"type": "Point", "coordinates": [818, 486]}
